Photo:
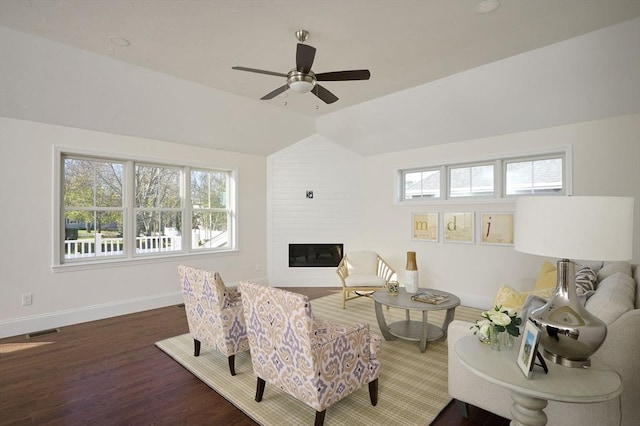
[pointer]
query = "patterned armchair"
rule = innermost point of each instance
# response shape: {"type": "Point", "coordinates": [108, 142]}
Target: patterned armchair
{"type": "Point", "coordinates": [315, 361]}
{"type": "Point", "coordinates": [214, 313]}
{"type": "Point", "coordinates": [363, 271]}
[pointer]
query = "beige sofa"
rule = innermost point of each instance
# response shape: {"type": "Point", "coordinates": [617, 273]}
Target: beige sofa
{"type": "Point", "coordinates": [620, 351]}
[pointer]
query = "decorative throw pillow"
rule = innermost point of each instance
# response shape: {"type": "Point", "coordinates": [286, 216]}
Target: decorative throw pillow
{"type": "Point", "coordinates": [614, 297]}
{"type": "Point", "coordinates": [509, 297]}
{"type": "Point", "coordinates": [611, 268]}
{"type": "Point", "coordinates": [586, 281]}
{"type": "Point", "coordinates": [546, 276]}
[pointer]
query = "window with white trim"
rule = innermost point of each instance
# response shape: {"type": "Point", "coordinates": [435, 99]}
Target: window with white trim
{"type": "Point", "coordinates": [535, 176]}
{"type": "Point", "coordinates": [471, 181]}
{"type": "Point", "coordinates": [115, 208]}
{"type": "Point", "coordinates": [503, 177]}
{"type": "Point", "coordinates": [421, 184]}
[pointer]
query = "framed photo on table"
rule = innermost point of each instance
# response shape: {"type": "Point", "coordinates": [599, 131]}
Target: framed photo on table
{"type": "Point", "coordinates": [458, 227]}
{"type": "Point", "coordinates": [528, 348]}
{"type": "Point", "coordinates": [424, 227]}
{"type": "Point", "coordinates": [496, 228]}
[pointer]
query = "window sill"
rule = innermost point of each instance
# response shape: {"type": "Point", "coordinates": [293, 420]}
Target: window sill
{"type": "Point", "coordinates": [120, 262]}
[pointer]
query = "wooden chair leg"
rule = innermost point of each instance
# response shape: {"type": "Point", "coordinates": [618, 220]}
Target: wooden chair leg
{"type": "Point", "coordinates": [259, 389]}
{"type": "Point", "coordinates": [320, 417]}
{"type": "Point", "coordinates": [373, 392]}
{"type": "Point", "coordinates": [196, 347]}
{"type": "Point", "coordinates": [232, 364]}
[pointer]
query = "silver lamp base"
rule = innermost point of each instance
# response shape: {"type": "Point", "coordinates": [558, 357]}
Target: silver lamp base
{"type": "Point", "coordinates": [569, 333]}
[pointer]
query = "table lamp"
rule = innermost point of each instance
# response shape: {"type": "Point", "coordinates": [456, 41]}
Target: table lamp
{"type": "Point", "coordinates": [580, 228]}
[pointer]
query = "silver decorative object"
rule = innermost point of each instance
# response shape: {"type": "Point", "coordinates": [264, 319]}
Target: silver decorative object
{"type": "Point", "coordinates": [585, 228]}
{"type": "Point", "coordinates": [569, 333]}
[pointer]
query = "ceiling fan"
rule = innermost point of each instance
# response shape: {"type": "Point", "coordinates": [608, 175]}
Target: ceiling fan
{"type": "Point", "coordinates": [302, 80]}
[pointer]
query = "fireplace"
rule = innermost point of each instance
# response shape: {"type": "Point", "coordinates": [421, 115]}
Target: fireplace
{"type": "Point", "coordinates": [315, 255]}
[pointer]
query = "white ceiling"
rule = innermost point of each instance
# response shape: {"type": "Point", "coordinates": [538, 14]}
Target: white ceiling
{"type": "Point", "coordinates": [441, 72]}
{"type": "Point", "coordinates": [404, 43]}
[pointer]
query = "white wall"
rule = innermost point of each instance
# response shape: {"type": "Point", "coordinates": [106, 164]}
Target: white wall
{"type": "Point", "coordinates": [334, 174]}
{"type": "Point", "coordinates": [606, 161]}
{"type": "Point", "coordinates": [26, 227]}
{"type": "Point", "coordinates": [606, 158]}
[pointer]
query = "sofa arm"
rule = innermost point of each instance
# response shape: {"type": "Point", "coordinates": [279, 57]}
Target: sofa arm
{"type": "Point", "coordinates": [466, 386]}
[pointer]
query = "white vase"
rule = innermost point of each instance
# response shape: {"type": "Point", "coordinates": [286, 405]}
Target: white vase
{"type": "Point", "coordinates": [411, 286]}
{"type": "Point", "coordinates": [411, 273]}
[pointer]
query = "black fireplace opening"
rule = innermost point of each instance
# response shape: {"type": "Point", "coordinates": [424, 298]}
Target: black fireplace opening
{"type": "Point", "coordinates": [315, 255]}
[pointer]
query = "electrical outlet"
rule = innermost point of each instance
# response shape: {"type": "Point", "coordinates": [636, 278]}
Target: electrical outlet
{"type": "Point", "coordinates": [27, 299]}
{"type": "Point", "coordinates": [258, 267]}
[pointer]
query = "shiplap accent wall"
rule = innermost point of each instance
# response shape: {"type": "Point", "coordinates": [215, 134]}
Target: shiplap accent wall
{"type": "Point", "coordinates": [333, 173]}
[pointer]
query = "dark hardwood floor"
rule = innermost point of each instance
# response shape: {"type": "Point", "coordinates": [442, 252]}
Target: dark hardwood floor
{"type": "Point", "coordinates": [109, 372]}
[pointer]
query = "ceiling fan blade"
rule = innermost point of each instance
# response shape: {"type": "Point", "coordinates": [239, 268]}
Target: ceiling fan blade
{"type": "Point", "coordinates": [326, 96]}
{"type": "Point", "coordinates": [277, 74]}
{"type": "Point", "coordinates": [344, 75]}
{"type": "Point", "coordinates": [275, 93]}
{"type": "Point", "coordinates": [304, 57]}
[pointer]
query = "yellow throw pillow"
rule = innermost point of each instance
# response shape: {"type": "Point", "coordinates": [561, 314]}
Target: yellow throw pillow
{"type": "Point", "coordinates": [509, 297]}
{"type": "Point", "coordinates": [546, 276]}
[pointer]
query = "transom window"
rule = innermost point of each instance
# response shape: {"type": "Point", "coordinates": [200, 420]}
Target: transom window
{"type": "Point", "coordinates": [541, 176]}
{"type": "Point", "coordinates": [471, 181]}
{"type": "Point", "coordinates": [125, 209]}
{"type": "Point", "coordinates": [496, 178]}
{"type": "Point", "coordinates": [422, 184]}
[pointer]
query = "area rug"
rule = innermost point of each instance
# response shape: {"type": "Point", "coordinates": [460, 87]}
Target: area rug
{"type": "Point", "coordinates": [412, 385]}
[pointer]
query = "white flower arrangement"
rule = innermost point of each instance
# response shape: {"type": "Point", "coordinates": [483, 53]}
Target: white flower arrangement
{"type": "Point", "coordinates": [502, 319]}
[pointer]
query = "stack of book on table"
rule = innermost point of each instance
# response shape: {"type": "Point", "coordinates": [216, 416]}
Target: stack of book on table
{"type": "Point", "coordinates": [430, 297]}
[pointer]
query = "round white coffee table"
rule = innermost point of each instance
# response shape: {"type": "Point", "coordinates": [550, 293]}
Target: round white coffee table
{"type": "Point", "coordinates": [407, 329]}
{"type": "Point", "coordinates": [530, 396]}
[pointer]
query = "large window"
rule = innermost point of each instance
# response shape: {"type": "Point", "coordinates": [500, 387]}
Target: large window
{"type": "Point", "coordinates": [93, 208]}
{"type": "Point", "coordinates": [127, 209]}
{"type": "Point", "coordinates": [210, 212]}
{"type": "Point", "coordinates": [545, 173]}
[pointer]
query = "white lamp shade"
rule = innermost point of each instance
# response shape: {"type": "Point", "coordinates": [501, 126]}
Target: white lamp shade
{"type": "Point", "coordinates": [585, 228]}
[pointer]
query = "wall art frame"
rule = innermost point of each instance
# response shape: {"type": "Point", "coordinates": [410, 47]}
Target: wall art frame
{"type": "Point", "coordinates": [496, 228]}
{"type": "Point", "coordinates": [424, 226]}
{"type": "Point", "coordinates": [458, 227]}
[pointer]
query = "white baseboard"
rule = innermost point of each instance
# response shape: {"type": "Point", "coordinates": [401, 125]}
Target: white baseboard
{"type": "Point", "coordinates": [47, 321]}
{"type": "Point", "coordinates": [35, 323]}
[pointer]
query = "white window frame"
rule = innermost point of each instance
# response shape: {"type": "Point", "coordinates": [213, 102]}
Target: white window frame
{"type": "Point", "coordinates": [534, 158]}
{"type": "Point", "coordinates": [59, 263]}
{"type": "Point", "coordinates": [451, 167]}
{"type": "Point", "coordinates": [402, 188]}
{"type": "Point", "coordinates": [499, 162]}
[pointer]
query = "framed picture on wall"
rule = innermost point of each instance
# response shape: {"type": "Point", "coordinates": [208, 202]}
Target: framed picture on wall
{"type": "Point", "coordinates": [424, 226]}
{"type": "Point", "coordinates": [458, 227]}
{"type": "Point", "coordinates": [496, 228]}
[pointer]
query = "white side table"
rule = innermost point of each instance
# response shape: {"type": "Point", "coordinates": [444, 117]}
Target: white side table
{"type": "Point", "coordinates": [530, 396]}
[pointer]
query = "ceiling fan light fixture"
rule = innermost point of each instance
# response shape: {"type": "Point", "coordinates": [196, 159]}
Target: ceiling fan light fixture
{"type": "Point", "coordinates": [300, 82]}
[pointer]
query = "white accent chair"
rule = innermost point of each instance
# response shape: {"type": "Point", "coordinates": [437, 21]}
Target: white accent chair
{"type": "Point", "coordinates": [363, 271]}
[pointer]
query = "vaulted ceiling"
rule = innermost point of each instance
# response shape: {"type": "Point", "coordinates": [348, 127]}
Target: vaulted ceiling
{"type": "Point", "coordinates": [404, 43]}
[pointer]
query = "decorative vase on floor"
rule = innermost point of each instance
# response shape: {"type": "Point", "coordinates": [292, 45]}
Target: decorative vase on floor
{"type": "Point", "coordinates": [411, 273]}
